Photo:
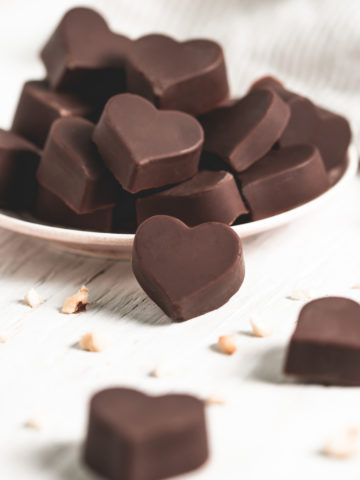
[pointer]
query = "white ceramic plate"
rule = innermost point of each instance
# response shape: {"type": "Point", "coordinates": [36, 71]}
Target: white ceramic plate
{"type": "Point", "coordinates": [119, 245]}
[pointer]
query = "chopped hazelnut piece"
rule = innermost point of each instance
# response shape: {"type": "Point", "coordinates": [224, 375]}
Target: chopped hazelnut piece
{"type": "Point", "coordinates": [300, 295]}
{"type": "Point", "coordinates": [3, 338]}
{"type": "Point", "coordinates": [76, 303]}
{"type": "Point", "coordinates": [33, 299]}
{"type": "Point", "coordinates": [227, 344]}
{"type": "Point", "coordinates": [161, 371]}
{"type": "Point", "coordinates": [342, 446]}
{"type": "Point", "coordinates": [259, 329]}
{"type": "Point", "coordinates": [93, 342]}
{"type": "Point", "coordinates": [215, 399]}
{"type": "Point", "coordinates": [33, 424]}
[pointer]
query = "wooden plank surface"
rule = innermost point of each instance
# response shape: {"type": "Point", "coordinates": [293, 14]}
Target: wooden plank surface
{"type": "Point", "coordinates": [44, 375]}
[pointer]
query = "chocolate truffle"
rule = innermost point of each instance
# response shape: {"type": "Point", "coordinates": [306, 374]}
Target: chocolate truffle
{"type": "Point", "coordinates": [325, 346]}
{"type": "Point", "coordinates": [282, 180]}
{"type": "Point", "coordinates": [145, 147]}
{"type": "Point", "coordinates": [18, 163]}
{"type": "Point", "coordinates": [242, 132]}
{"type": "Point", "coordinates": [83, 56]}
{"type": "Point", "coordinates": [206, 197]}
{"type": "Point", "coordinates": [310, 124]}
{"type": "Point", "coordinates": [187, 271]}
{"type": "Point", "coordinates": [36, 97]}
{"type": "Point", "coordinates": [51, 209]}
{"type": "Point", "coordinates": [188, 76]}
{"type": "Point", "coordinates": [72, 169]}
{"type": "Point", "coordinates": [132, 436]}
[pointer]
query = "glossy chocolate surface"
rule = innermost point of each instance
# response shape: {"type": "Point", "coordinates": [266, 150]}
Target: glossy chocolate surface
{"type": "Point", "coordinates": [244, 131]}
{"type": "Point", "coordinates": [18, 163]}
{"type": "Point", "coordinates": [83, 56]}
{"type": "Point", "coordinates": [206, 197]}
{"type": "Point", "coordinates": [188, 76]}
{"type": "Point", "coordinates": [72, 169]}
{"type": "Point", "coordinates": [132, 436]}
{"type": "Point", "coordinates": [282, 180]}
{"type": "Point", "coordinates": [52, 210]}
{"type": "Point", "coordinates": [325, 346]}
{"type": "Point", "coordinates": [187, 271]}
{"type": "Point", "coordinates": [145, 147]}
{"type": "Point", "coordinates": [39, 107]}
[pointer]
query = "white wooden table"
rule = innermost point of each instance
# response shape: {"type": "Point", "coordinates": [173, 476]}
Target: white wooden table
{"type": "Point", "coordinates": [269, 427]}
{"type": "Point", "coordinates": [268, 424]}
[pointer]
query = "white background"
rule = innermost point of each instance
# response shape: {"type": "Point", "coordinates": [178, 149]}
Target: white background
{"type": "Point", "coordinates": [269, 427]}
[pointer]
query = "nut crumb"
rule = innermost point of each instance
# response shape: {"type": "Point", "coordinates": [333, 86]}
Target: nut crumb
{"type": "Point", "coordinates": [93, 342]}
{"type": "Point", "coordinates": [3, 338]}
{"type": "Point", "coordinates": [33, 299]}
{"type": "Point", "coordinates": [227, 344]}
{"type": "Point", "coordinates": [300, 295]}
{"type": "Point", "coordinates": [161, 371]}
{"type": "Point", "coordinates": [343, 445]}
{"type": "Point", "coordinates": [356, 286]}
{"type": "Point", "coordinates": [76, 303]}
{"type": "Point", "coordinates": [33, 424]}
{"type": "Point", "coordinates": [215, 399]}
{"type": "Point", "coordinates": [259, 329]}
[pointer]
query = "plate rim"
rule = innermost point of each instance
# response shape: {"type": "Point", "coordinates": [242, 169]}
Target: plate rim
{"type": "Point", "coordinates": [65, 235]}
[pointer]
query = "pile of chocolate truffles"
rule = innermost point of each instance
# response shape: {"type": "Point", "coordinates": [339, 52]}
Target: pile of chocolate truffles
{"type": "Point", "coordinates": [122, 130]}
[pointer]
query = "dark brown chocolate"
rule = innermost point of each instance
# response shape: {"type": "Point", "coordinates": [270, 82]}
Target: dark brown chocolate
{"type": "Point", "coordinates": [282, 180]}
{"type": "Point", "coordinates": [39, 107]}
{"type": "Point", "coordinates": [83, 56]}
{"type": "Point", "coordinates": [51, 209]}
{"type": "Point", "coordinates": [188, 76]}
{"type": "Point", "coordinates": [242, 132]}
{"type": "Point", "coordinates": [18, 163]}
{"type": "Point", "coordinates": [72, 169]}
{"type": "Point", "coordinates": [206, 197]}
{"type": "Point", "coordinates": [310, 124]}
{"type": "Point", "coordinates": [132, 436]}
{"type": "Point", "coordinates": [187, 271]}
{"type": "Point", "coordinates": [147, 148]}
{"type": "Point", "coordinates": [325, 347]}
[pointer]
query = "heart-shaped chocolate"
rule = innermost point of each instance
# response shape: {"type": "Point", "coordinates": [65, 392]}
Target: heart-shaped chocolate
{"type": "Point", "coordinates": [206, 197]}
{"type": "Point", "coordinates": [310, 124]}
{"type": "Point", "coordinates": [132, 436]}
{"type": "Point", "coordinates": [242, 132]}
{"type": "Point", "coordinates": [53, 210]}
{"type": "Point", "coordinates": [188, 76]}
{"type": "Point", "coordinates": [85, 57]}
{"type": "Point", "coordinates": [325, 346]}
{"type": "Point", "coordinates": [145, 147]}
{"type": "Point", "coordinates": [283, 179]}
{"type": "Point", "coordinates": [36, 96]}
{"type": "Point", "coordinates": [187, 271]}
{"type": "Point", "coordinates": [19, 160]}
{"type": "Point", "coordinates": [71, 168]}
{"type": "Point", "coordinates": [332, 137]}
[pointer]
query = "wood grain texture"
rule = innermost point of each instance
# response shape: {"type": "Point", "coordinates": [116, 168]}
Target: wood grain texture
{"type": "Point", "coordinates": [269, 426]}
